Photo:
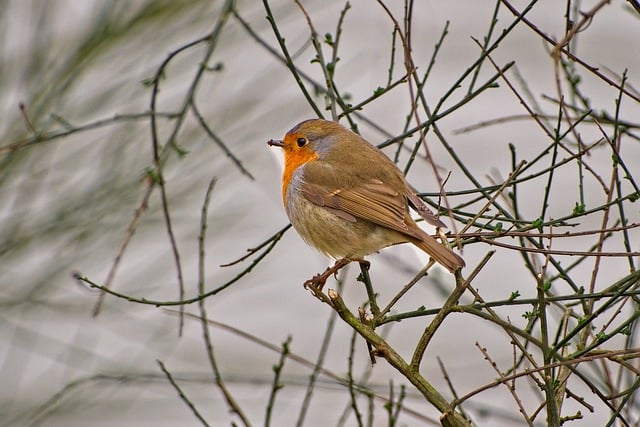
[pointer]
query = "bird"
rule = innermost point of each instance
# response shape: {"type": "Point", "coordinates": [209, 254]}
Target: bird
{"type": "Point", "coordinates": [347, 199]}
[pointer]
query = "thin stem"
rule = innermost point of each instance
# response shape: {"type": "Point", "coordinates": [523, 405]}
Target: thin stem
{"type": "Point", "coordinates": [383, 349]}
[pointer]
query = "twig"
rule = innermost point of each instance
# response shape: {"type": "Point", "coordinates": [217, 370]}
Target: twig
{"type": "Point", "coordinates": [511, 388]}
{"type": "Point", "coordinates": [592, 69]}
{"type": "Point", "coordinates": [383, 349]}
{"type": "Point", "coordinates": [288, 60]}
{"type": "Point", "coordinates": [634, 352]}
{"type": "Point", "coordinates": [276, 385]}
{"type": "Point", "coordinates": [418, 415]}
{"type": "Point", "coordinates": [324, 347]}
{"type": "Point", "coordinates": [422, 273]}
{"type": "Point", "coordinates": [454, 393]}
{"type": "Point", "coordinates": [219, 142]}
{"type": "Point", "coordinates": [251, 251]}
{"type": "Point", "coordinates": [231, 402]}
{"type": "Point", "coordinates": [452, 300]}
{"type": "Point", "coordinates": [352, 390]}
{"type": "Point", "coordinates": [371, 294]}
{"type": "Point", "coordinates": [160, 156]}
{"type": "Point", "coordinates": [159, 303]}
{"type": "Point", "coordinates": [183, 396]}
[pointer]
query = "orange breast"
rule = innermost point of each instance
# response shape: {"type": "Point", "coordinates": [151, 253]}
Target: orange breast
{"type": "Point", "coordinates": [293, 159]}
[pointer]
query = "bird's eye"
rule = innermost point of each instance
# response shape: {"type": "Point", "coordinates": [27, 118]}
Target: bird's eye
{"type": "Point", "coordinates": [302, 142]}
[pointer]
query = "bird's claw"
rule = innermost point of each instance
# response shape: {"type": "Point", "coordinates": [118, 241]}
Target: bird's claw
{"type": "Point", "coordinates": [317, 282]}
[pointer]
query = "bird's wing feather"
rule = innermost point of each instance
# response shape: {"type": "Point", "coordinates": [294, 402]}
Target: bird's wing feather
{"type": "Point", "coordinates": [366, 198]}
{"type": "Point", "coordinates": [423, 210]}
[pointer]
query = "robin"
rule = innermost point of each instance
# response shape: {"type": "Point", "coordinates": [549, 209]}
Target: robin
{"type": "Point", "coordinates": [346, 198]}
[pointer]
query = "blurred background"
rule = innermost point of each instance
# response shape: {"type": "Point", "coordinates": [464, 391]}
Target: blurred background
{"type": "Point", "coordinates": [78, 83]}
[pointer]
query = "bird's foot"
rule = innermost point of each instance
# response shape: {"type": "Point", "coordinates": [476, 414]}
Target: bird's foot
{"type": "Point", "coordinates": [317, 282]}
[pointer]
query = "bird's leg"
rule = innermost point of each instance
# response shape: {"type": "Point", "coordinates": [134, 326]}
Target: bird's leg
{"type": "Point", "coordinates": [364, 264]}
{"type": "Point", "coordinates": [316, 283]}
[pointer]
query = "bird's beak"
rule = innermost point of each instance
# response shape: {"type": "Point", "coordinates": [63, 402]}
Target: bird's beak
{"type": "Point", "coordinates": [275, 142]}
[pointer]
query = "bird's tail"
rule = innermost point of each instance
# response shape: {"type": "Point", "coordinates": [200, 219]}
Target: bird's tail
{"type": "Point", "coordinates": [439, 252]}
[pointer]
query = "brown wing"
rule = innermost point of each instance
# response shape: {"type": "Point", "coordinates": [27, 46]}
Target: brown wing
{"type": "Point", "coordinates": [366, 198]}
{"type": "Point", "coordinates": [419, 206]}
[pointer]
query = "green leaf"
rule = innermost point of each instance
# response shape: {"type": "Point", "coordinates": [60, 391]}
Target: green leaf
{"type": "Point", "coordinates": [218, 66]}
{"type": "Point", "coordinates": [538, 224]}
{"type": "Point", "coordinates": [529, 315]}
{"type": "Point", "coordinates": [578, 209]}
{"type": "Point", "coordinates": [153, 174]}
{"type": "Point", "coordinates": [147, 82]}
{"type": "Point", "coordinates": [180, 151]}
